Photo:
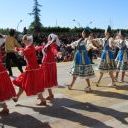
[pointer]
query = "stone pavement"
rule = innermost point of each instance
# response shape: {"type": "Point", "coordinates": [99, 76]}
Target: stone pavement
{"type": "Point", "coordinates": [105, 107]}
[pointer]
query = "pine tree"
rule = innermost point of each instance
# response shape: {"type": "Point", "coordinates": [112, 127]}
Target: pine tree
{"type": "Point", "coordinates": [36, 24]}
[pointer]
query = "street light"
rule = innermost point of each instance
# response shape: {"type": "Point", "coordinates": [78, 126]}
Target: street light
{"type": "Point", "coordinates": [18, 24]}
{"type": "Point", "coordinates": [90, 23]}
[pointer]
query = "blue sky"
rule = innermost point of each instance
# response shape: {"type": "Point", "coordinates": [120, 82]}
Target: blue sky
{"type": "Point", "coordinates": [62, 12]}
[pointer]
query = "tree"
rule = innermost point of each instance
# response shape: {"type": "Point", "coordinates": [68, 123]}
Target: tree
{"type": "Point", "coordinates": [36, 24]}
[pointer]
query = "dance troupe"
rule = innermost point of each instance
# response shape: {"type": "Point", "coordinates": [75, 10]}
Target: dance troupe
{"type": "Point", "coordinates": [37, 78]}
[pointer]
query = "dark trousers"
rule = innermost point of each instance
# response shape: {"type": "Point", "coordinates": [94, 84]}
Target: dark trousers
{"type": "Point", "coordinates": [116, 52]}
{"type": "Point", "coordinates": [90, 55]}
{"type": "Point", "coordinates": [11, 57]}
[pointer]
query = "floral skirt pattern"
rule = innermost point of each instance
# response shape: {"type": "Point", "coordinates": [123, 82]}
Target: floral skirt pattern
{"type": "Point", "coordinates": [105, 66]}
{"type": "Point", "coordinates": [121, 60]}
{"type": "Point", "coordinates": [122, 66]}
{"type": "Point", "coordinates": [107, 62]}
{"type": "Point", "coordinates": [85, 71]}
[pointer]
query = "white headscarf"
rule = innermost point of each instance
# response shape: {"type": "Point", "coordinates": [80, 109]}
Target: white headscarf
{"type": "Point", "coordinates": [51, 38]}
{"type": "Point", "coordinates": [54, 38]}
{"type": "Point", "coordinates": [29, 38]}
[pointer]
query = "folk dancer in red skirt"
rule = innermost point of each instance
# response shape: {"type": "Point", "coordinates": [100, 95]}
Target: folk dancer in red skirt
{"type": "Point", "coordinates": [6, 88]}
{"type": "Point", "coordinates": [50, 51]}
{"type": "Point", "coordinates": [30, 81]}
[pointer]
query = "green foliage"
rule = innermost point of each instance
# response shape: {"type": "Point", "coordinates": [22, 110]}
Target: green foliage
{"type": "Point", "coordinates": [4, 31]}
{"type": "Point", "coordinates": [63, 30]}
{"type": "Point", "coordinates": [36, 24]}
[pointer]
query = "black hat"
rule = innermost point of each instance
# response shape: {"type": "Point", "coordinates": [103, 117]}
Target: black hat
{"type": "Point", "coordinates": [109, 30]}
{"type": "Point", "coordinates": [11, 32]}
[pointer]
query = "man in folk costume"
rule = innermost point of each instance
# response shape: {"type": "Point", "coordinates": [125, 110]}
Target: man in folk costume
{"type": "Point", "coordinates": [82, 65]}
{"type": "Point", "coordinates": [10, 44]}
{"type": "Point", "coordinates": [107, 62]}
{"type": "Point", "coordinates": [7, 90]}
{"type": "Point", "coordinates": [31, 80]}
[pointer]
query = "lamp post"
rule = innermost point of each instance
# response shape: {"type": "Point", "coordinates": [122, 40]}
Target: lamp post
{"type": "Point", "coordinates": [90, 22]}
{"type": "Point", "coordinates": [18, 24]}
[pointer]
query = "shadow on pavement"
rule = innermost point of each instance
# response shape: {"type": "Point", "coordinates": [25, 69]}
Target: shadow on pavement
{"type": "Point", "coordinates": [18, 120]}
{"type": "Point", "coordinates": [120, 116]}
{"type": "Point", "coordinates": [67, 109]}
{"type": "Point", "coordinates": [110, 94]}
{"type": "Point", "coordinates": [62, 110]}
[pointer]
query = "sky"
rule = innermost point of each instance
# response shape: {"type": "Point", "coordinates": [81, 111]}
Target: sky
{"type": "Point", "coordinates": [65, 13]}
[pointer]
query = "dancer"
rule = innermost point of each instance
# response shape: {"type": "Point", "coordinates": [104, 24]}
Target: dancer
{"type": "Point", "coordinates": [90, 47]}
{"type": "Point", "coordinates": [10, 44]}
{"type": "Point", "coordinates": [107, 63]}
{"type": "Point", "coordinates": [82, 65]}
{"type": "Point", "coordinates": [6, 88]}
{"type": "Point", "coordinates": [122, 56]}
{"type": "Point", "coordinates": [31, 80]}
{"type": "Point", "coordinates": [50, 51]}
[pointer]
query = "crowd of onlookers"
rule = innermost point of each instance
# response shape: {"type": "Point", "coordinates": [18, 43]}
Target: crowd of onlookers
{"type": "Point", "coordinates": [65, 38]}
{"type": "Point", "coordinates": [67, 52]}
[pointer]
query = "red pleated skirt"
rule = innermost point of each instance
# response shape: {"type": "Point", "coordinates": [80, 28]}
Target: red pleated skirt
{"type": "Point", "coordinates": [50, 74]}
{"type": "Point", "coordinates": [31, 81]}
{"type": "Point", "coordinates": [7, 90]}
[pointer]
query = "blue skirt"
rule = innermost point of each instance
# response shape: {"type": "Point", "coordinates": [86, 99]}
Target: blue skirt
{"type": "Point", "coordinates": [121, 60]}
{"type": "Point", "coordinates": [81, 65]}
{"type": "Point", "coordinates": [107, 62]}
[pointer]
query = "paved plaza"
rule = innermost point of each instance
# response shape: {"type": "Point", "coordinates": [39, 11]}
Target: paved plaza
{"type": "Point", "coordinates": [105, 107]}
